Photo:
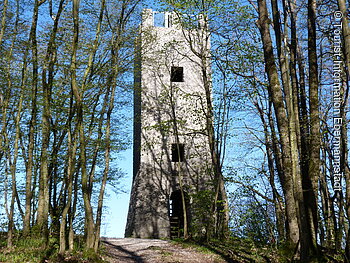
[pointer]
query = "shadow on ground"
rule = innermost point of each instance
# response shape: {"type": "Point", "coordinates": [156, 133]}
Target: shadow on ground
{"type": "Point", "coordinates": [128, 254]}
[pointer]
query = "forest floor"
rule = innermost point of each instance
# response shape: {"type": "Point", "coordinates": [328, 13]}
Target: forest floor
{"type": "Point", "coordinates": [125, 250]}
{"type": "Point", "coordinates": [235, 250]}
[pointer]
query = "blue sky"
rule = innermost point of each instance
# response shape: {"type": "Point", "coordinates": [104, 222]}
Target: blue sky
{"type": "Point", "coordinates": [114, 221]}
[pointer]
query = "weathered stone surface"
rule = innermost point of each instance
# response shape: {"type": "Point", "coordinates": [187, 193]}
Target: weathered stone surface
{"type": "Point", "coordinates": [166, 113]}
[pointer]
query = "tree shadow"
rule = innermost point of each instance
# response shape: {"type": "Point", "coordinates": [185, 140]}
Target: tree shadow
{"type": "Point", "coordinates": [229, 254]}
{"type": "Point", "coordinates": [128, 254]}
{"type": "Point", "coordinates": [223, 255]}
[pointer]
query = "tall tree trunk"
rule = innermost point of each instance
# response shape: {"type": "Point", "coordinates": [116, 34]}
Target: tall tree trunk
{"type": "Point", "coordinates": [33, 119]}
{"type": "Point", "coordinates": [280, 222]}
{"type": "Point", "coordinates": [79, 96]}
{"type": "Point", "coordinates": [13, 171]}
{"type": "Point", "coordinates": [202, 52]}
{"type": "Point", "coordinates": [72, 146]}
{"type": "Point", "coordinates": [47, 84]}
{"type": "Point", "coordinates": [275, 93]}
{"type": "Point", "coordinates": [13, 162]}
{"type": "Point", "coordinates": [310, 183]}
{"type": "Point", "coordinates": [3, 20]}
{"type": "Point", "coordinates": [346, 50]}
{"type": "Point", "coordinates": [220, 191]}
{"type": "Point", "coordinates": [292, 111]}
{"type": "Point", "coordinates": [172, 100]}
{"type": "Point", "coordinates": [326, 201]}
{"type": "Point", "coordinates": [93, 230]}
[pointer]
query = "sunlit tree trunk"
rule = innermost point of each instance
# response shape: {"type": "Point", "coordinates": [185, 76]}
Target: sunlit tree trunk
{"type": "Point", "coordinates": [277, 198]}
{"type": "Point", "coordinates": [275, 94]}
{"type": "Point", "coordinates": [93, 229]}
{"type": "Point", "coordinates": [292, 111]}
{"type": "Point", "coordinates": [72, 145]}
{"type": "Point", "coordinates": [72, 150]}
{"type": "Point", "coordinates": [221, 230]}
{"type": "Point", "coordinates": [32, 122]}
{"type": "Point", "coordinates": [47, 84]}
{"type": "Point", "coordinates": [13, 169]}
{"type": "Point", "coordinates": [3, 20]}
{"type": "Point", "coordinates": [79, 95]}
{"type": "Point", "coordinates": [14, 156]}
{"type": "Point", "coordinates": [346, 50]}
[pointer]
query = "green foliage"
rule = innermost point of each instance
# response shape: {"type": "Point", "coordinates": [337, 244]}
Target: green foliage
{"type": "Point", "coordinates": [201, 208]}
{"type": "Point", "coordinates": [24, 250]}
{"type": "Point", "coordinates": [252, 220]}
{"type": "Point", "coordinates": [91, 255]}
{"type": "Point", "coordinates": [235, 250]}
{"type": "Point", "coordinates": [256, 226]}
{"type": "Point", "coordinates": [192, 244]}
{"type": "Point", "coordinates": [32, 250]}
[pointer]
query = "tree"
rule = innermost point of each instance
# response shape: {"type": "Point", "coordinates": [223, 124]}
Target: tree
{"type": "Point", "coordinates": [47, 86]}
{"type": "Point", "coordinates": [54, 114]}
{"type": "Point", "coordinates": [199, 43]}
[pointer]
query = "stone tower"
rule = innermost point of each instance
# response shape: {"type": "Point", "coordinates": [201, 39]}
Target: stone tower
{"type": "Point", "coordinates": [171, 151]}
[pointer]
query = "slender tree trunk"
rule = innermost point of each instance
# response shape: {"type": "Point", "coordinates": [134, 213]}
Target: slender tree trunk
{"type": "Point", "coordinates": [73, 211]}
{"type": "Point", "coordinates": [3, 20]}
{"type": "Point", "coordinates": [79, 95]}
{"type": "Point", "coordinates": [275, 94]}
{"type": "Point", "coordinates": [276, 196]}
{"type": "Point", "coordinates": [310, 184]}
{"type": "Point", "coordinates": [70, 171]}
{"type": "Point", "coordinates": [13, 160]}
{"type": "Point", "coordinates": [47, 84]}
{"type": "Point", "coordinates": [172, 99]}
{"type": "Point", "coordinates": [72, 149]}
{"type": "Point", "coordinates": [220, 191]}
{"type": "Point", "coordinates": [346, 50]}
{"type": "Point", "coordinates": [293, 120]}
{"type": "Point", "coordinates": [201, 51]}
{"type": "Point", "coordinates": [326, 203]}
{"type": "Point", "coordinates": [93, 230]}
{"type": "Point", "coordinates": [32, 123]}
{"type": "Point", "coordinates": [13, 172]}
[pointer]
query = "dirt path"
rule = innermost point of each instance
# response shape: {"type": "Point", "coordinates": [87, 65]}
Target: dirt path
{"type": "Point", "coordinates": [125, 250]}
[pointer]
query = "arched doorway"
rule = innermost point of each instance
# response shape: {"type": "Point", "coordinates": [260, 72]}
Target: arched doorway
{"type": "Point", "coordinates": [176, 214]}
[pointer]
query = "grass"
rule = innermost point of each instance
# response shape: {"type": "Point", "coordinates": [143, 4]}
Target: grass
{"type": "Point", "coordinates": [32, 250]}
{"type": "Point", "coordinates": [24, 250]}
{"type": "Point", "coordinates": [236, 250]}
{"type": "Point", "coordinates": [244, 250]}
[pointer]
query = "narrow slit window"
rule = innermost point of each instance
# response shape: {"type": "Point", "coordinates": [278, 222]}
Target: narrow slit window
{"type": "Point", "coordinates": [177, 74]}
{"type": "Point", "coordinates": [177, 152]}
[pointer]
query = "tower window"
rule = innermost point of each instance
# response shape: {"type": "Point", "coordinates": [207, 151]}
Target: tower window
{"type": "Point", "coordinates": [159, 19]}
{"type": "Point", "coordinates": [177, 74]}
{"type": "Point", "coordinates": [177, 152]}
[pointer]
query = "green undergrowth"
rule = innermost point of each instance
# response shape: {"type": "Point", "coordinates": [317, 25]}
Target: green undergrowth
{"type": "Point", "coordinates": [32, 250]}
{"type": "Point", "coordinates": [235, 250]}
{"type": "Point", "coordinates": [245, 250]}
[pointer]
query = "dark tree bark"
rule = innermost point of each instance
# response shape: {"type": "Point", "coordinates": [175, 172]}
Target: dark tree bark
{"type": "Point", "coordinates": [310, 182]}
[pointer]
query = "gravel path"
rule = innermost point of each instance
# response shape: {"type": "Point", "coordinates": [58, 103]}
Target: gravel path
{"type": "Point", "coordinates": [125, 250]}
